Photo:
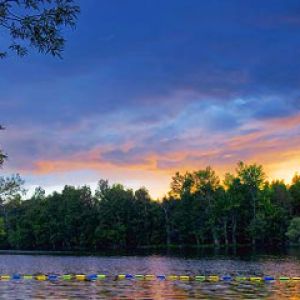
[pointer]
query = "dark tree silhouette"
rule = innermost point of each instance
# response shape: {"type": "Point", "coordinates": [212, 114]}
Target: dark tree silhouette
{"type": "Point", "coordinates": [2, 155]}
{"type": "Point", "coordinates": [37, 24]}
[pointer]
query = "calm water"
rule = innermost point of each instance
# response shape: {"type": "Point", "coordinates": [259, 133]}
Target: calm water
{"type": "Point", "coordinates": [276, 265]}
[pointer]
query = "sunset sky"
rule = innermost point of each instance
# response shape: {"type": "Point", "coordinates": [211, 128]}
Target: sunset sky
{"type": "Point", "coordinates": [149, 87]}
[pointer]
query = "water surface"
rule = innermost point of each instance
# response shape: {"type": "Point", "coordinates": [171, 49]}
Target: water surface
{"type": "Point", "coordinates": [248, 264]}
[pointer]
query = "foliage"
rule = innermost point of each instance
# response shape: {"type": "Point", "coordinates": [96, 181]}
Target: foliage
{"type": "Point", "coordinates": [200, 210]}
{"type": "Point", "coordinates": [37, 23]}
{"type": "Point", "coordinates": [293, 232]}
{"type": "Point", "coordinates": [10, 187]}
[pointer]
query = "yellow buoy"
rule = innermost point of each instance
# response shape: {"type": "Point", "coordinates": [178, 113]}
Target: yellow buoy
{"type": "Point", "coordinates": [41, 277]}
{"type": "Point", "coordinates": [150, 277]}
{"type": "Point", "coordinates": [213, 278]}
{"type": "Point", "coordinates": [172, 277]}
{"type": "Point", "coordinates": [256, 278]}
{"type": "Point", "coordinates": [80, 277]}
{"type": "Point", "coordinates": [296, 278]}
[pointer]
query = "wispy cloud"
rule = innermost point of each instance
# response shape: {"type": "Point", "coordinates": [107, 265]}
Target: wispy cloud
{"type": "Point", "coordinates": [151, 89]}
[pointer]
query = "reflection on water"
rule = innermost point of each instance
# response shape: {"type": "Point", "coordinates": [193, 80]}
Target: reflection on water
{"type": "Point", "coordinates": [147, 290]}
{"type": "Point", "coordinates": [138, 289]}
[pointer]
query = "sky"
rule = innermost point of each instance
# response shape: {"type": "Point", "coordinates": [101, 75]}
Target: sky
{"type": "Point", "coordinates": [149, 87]}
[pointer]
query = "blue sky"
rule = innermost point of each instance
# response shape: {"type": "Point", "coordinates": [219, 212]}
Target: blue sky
{"type": "Point", "coordinates": [150, 87]}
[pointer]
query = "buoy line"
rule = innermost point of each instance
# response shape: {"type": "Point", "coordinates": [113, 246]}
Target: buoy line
{"type": "Point", "coordinates": [199, 278]}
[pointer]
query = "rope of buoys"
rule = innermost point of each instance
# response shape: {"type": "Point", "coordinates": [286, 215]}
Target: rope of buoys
{"type": "Point", "coordinates": [160, 277]}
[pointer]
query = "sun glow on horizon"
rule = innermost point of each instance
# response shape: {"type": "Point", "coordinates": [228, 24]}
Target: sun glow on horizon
{"type": "Point", "coordinates": [285, 170]}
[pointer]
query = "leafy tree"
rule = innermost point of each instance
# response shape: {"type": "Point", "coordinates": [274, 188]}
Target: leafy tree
{"type": "Point", "coordinates": [115, 217]}
{"type": "Point", "coordinates": [37, 23]}
{"type": "Point", "coordinates": [10, 187]}
{"type": "Point", "coordinates": [295, 193]}
{"type": "Point", "coordinates": [293, 232]}
{"type": "Point", "coordinates": [199, 210]}
{"type": "Point", "coordinates": [207, 186]}
{"type": "Point", "coordinates": [39, 193]}
{"type": "Point", "coordinates": [181, 185]}
{"type": "Point", "coordinates": [277, 205]}
{"type": "Point", "coordinates": [3, 233]}
{"type": "Point", "coordinates": [168, 206]}
{"type": "Point", "coordinates": [252, 177]}
{"type": "Point", "coordinates": [235, 196]}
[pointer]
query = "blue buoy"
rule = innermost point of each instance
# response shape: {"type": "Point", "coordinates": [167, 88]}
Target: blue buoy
{"type": "Point", "coordinates": [161, 277]}
{"type": "Point", "coordinates": [129, 276]}
{"type": "Point", "coordinates": [52, 277]}
{"type": "Point", "coordinates": [226, 278]}
{"type": "Point", "coordinates": [16, 277]}
{"type": "Point", "coordinates": [92, 277]}
{"type": "Point", "coordinates": [269, 278]}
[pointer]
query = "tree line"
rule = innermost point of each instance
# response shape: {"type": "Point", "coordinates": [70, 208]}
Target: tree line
{"type": "Point", "coordinates": [200, 209]}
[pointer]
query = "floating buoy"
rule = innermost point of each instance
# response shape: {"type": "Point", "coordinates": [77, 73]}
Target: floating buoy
{"type": "Point", "coordinates": [41, 277]}
{"type": "Point", "coordinates": [172, 277]}
{"type": "Point", "coordinates": [200, 278]}
{"type": "Point", "coordinates": [80, 277]}
{"type": "Point", "coordinates": [5, 277]}
{"type": "Point", "coordinates": [53, 277]}
{"type": "Point", "coordinates": [213, 278]}
{"type": "Point", "coordinates": [160, 277]}
{"type": "Point", "coordinates": [256, 278]}
{"type": "Point", "coordinates": [91, 277]}
{"type": "Point", "coordinates": [226, 278]}
{"type": "Point", "coordinates": [269, 278]}
{"type": "Point", "coordinates": [284, 278]}
{"type": "Point", "coordinates": [296, 278]}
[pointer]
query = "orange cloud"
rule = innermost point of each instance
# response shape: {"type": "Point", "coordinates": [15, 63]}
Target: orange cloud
{"type": "Point", "coordinates": [268, 144]}
{"type": "Point", "coordinates": [90, 160]}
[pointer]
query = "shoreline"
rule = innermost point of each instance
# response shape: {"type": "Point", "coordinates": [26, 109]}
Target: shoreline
{"type": "Point", "coordinates": [230, 250]}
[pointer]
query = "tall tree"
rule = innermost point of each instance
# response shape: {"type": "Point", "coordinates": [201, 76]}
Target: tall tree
{"type": "Point", "coordinates": [295, 193]}
{"type": "Point", "coordinates": [10, 190]}
{"type": "Point", "coordinates": [207, 186]}
{"type": "Point", "coordinates": [10, 187]}
{"type": "Point", "coordinates": [234, 198]}
{"type": "Point", "coordinates": [275, 208]}
{"type": "Point", "coordinates": [252, 177]}
{"type": "Point", "coordinates": [181, 185]}
{"type": "Point", "coordinates": [37, 24]}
